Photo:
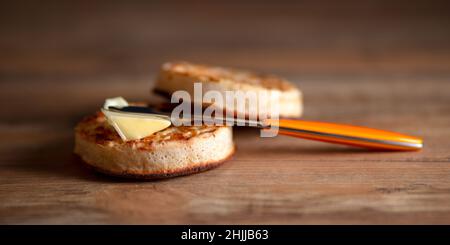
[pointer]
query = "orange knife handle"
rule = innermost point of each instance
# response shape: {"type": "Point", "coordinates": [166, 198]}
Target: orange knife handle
{"type": "Point", "coordinates": [347, 134]}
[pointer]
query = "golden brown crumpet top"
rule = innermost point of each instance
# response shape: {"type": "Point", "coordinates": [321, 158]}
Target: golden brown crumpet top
{"type": "Point", "coordinates": [214, 74]}
{"type": "Point", "coordinates": [96, 129]}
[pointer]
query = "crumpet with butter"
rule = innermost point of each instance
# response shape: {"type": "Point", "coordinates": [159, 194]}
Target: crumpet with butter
{"type": "Point", "coordinates": [173, 151]}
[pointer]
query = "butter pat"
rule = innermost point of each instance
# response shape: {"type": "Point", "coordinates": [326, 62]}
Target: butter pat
{"type": "Point", "coordinates": [134, 126]}
{"type": "Point", "coordinates": [116, 102]}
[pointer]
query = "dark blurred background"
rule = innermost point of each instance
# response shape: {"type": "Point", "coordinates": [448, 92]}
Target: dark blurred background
{"type": "Point", "coordinates": [79, 52]}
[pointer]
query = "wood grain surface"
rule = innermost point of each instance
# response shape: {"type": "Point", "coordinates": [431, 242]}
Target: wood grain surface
{"type": "Point", "coordinates": [372, 63]}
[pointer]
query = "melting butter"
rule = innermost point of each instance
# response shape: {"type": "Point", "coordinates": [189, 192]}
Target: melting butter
{"type": "Point", "coordinates": [133, 126]}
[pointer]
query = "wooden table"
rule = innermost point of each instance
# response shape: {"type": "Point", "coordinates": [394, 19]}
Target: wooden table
{"type": "Point", "coordinates": [364, 63]}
